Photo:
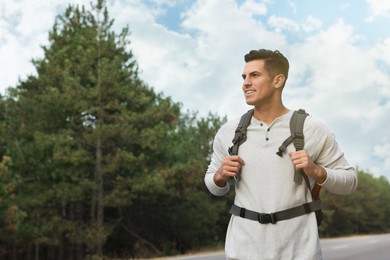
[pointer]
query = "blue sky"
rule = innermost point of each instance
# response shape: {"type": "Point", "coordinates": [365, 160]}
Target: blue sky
{"type": "Point", "coordinates": [339, 53]}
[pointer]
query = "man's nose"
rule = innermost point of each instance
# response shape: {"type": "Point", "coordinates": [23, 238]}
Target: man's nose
{"type": "Point", "coordinates": [247, 81]}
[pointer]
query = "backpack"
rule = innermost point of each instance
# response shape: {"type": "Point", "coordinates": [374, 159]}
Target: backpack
{"type": "Point", "coordinates": [297, 138]}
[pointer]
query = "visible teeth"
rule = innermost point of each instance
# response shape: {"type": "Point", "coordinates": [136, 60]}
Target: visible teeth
{"type": "Point", "coordinates": [249, 92]}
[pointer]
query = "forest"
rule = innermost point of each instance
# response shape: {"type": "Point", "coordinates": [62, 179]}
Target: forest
{"type": "Point", "coordinates": [95, 164]}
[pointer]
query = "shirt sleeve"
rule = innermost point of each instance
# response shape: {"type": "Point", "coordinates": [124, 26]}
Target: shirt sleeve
{"type": "Point", "coordinates": [219, 152]}
{"type": "Point", "coordinates": [326, 152]}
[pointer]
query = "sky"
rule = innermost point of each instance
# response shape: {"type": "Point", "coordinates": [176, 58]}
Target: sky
{"type": "Point", "coordinates": [192, 51]}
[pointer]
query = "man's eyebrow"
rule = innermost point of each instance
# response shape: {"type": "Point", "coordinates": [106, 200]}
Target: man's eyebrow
{"type": "Point", "coordinates": [251, 73]}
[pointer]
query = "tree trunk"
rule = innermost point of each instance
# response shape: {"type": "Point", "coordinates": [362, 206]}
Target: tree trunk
{"type": "Point", "coordinates": [99, 193]}
{"type": "Point", "coordinates": [36, 251]}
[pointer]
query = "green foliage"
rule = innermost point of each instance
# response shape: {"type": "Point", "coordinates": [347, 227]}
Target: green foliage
{"type": "Point", "coordinates": [173, 213]}
{"type": "Point", "coordinates": [365, 211]}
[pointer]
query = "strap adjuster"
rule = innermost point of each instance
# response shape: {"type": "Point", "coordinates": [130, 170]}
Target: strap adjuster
{"type": "Point", "coordinates": [242, 212]}
{"type": "Point", "coordinates": [267, 218]}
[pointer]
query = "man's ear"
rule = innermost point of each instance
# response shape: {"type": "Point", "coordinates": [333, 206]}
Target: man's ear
{"type": "Point", "coordinates": [279, 80]}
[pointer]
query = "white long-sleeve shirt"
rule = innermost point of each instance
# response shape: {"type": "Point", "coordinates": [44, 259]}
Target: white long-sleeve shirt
{"type": "Point", "coordinates": [266, 185]}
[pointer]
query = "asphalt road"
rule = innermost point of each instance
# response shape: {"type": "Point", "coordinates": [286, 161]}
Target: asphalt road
{"type": "Point", "coordinates": [372, 247]}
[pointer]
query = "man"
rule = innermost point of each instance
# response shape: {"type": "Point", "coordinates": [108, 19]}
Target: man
{"type": "Point", "coordinates": [266, 181]}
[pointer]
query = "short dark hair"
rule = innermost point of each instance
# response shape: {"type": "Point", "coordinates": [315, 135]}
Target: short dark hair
{"type": "Point", "coordinates": [274, 61]}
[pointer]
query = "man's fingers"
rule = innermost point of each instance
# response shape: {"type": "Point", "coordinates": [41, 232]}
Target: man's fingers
{"type": "Point", "coordinates": [232, 166]}
{"type": "Point", "coordinates": [230, 170]}
{"type": "Point", "coordinates": [300, 160]}
{"type": "Point", "coordinates": [241, 161]}
{"type": "Point", "coordinates": [238, 159]}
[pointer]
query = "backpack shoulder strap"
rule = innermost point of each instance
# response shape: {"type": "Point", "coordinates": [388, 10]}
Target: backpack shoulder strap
{"type": "Point", "coordinates": [240, 133]}
{"type": "Point", "coordinates": [296, 129]}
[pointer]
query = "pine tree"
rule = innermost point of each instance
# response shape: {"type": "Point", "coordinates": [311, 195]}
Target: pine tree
{"type": "Point", "coordinates": [85, 130]}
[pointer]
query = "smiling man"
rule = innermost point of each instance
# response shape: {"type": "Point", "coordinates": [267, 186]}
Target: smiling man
{"type": "Point", "coordinates": [273, 216]}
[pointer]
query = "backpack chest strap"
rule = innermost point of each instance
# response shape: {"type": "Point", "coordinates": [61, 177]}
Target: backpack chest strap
{"type": "Point", "coordinates": [266, 218]}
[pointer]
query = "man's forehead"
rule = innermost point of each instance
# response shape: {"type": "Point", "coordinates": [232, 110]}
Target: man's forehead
{"type": "Point", "coordinates": [255, 65]}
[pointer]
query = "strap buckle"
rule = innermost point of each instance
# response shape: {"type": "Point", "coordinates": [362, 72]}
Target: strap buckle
{"type": "Point", "coordinates": [242, 212]}
{"type": "Point", "coordinates": [267, 218]}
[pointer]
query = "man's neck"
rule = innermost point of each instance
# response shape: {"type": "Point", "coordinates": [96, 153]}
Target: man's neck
{"type": "Point", "coordinates": [268, 115]}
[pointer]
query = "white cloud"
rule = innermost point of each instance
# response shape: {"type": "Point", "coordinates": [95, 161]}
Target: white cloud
{"type": "Point", "coordinates": [382, 151]}
{"type": "Point", "coordinates": [312, 23]}
{"type": "Point", "coordinates": [24, 29]}
{"type": "Point", "coordinates": [282, 24]}
{"type": "Point", "coordinates": [254, 8]}
{"type": "Point", "coordinates": [165, 2]}
{"type": "Point", "coordinates": [377, 8]}
{"type": "Point", "coordinates": [22, 34]}
{"type": "Point", "coordinates": [292, 5]}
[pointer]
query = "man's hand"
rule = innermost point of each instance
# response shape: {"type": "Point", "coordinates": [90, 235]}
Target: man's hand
{"type": "Point", "coordinates": [302, 161]}
{"type": "Point", "coordinates": [231, 166]}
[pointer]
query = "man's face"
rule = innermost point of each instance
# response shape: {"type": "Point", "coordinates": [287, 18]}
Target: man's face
{"type": "Point", "coordinates": [258, 85]}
